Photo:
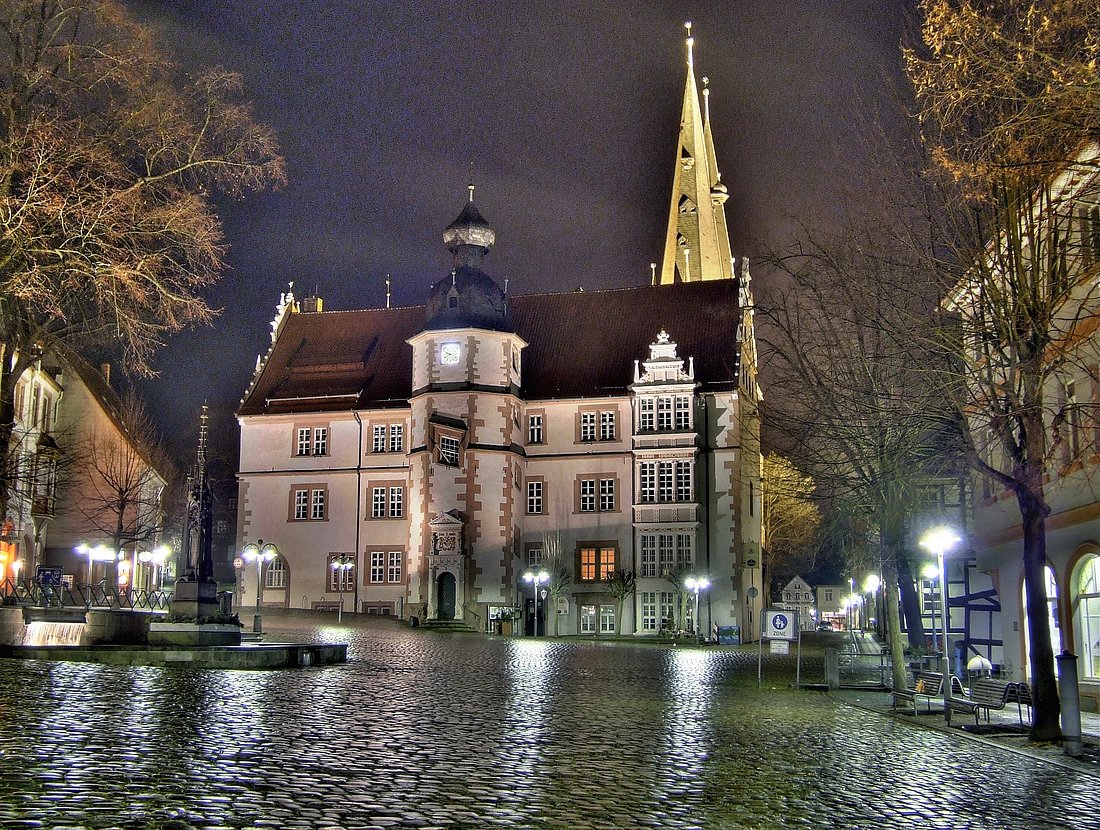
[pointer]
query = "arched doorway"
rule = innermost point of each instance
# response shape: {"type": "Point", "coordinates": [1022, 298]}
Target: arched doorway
{"type": "Point", "coordinates": [1052, 618]}
{"type": "Point", "coordinates": [445, 591]}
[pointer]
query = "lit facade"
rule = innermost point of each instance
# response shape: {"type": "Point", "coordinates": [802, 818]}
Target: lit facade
{"type": "Point", "coordinates": [448, 448]}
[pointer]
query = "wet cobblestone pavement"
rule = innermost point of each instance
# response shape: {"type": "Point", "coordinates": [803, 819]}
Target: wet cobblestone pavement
{"type": "Point", "coordinates": [458, 731]}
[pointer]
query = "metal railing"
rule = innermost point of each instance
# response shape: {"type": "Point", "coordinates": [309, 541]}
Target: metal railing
{"type": "Point", "coordinates": [29, 592]}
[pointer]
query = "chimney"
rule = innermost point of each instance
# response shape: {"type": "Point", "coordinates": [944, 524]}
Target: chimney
{"type": "Point", "coordinates": [313, 303]}
{"type": "Point", "coordinates": [105, 370]}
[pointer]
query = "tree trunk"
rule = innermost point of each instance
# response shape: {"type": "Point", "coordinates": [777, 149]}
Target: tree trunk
{"type": "Point", "coordinates": [910, 604]}
{"type": "Point", "coordinates": [1047, 708]}
{"type": "Point", "coordinates": [899, 670]}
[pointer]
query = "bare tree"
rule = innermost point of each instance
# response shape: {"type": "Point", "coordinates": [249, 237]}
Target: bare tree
{"type": "Point", "coordinates": [1009, 101]}
{"type": "Point", "coordinates": [108, 171]}
{"type": "Point", "coordinates": [557, 565]}
{"type": "Point", "coordinates": [120, 485]}
{"type": "Point", "coordinates": [620, 585]}
{"type": "Point", "coordinates": [847, 330]}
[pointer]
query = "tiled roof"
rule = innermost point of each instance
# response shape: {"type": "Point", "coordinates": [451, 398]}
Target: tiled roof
{"type": "Point", "coordinates": [581, 344]}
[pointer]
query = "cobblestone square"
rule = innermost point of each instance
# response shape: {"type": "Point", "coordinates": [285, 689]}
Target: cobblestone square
{"type": "Point", "coordinates": [460, 731]}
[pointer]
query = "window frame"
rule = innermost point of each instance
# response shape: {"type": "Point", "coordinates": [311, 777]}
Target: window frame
{"type": "Point", "coordinates": [533, 498]}
{"type": "Point", "coordinates": [299, 510]}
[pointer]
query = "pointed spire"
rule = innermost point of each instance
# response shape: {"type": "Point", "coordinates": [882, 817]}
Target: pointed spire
{"type": "Point", "coordinates": [696, 219]}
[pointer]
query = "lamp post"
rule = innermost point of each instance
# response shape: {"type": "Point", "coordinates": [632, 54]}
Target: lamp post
{"type": "Point", "coordinates": [938, 541]}
{"type": "Point", "coordinates": [536, 579]}
{"type": "Point", "coordinates": [696, 584]}
{"type": "Point", "coordinates": [341, 564]}
{"type": "Point", "coordinates": [259, 553]}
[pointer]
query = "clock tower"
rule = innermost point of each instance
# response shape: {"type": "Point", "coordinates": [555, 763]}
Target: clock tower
{"type": "Point", "coordinates": [466, 411]}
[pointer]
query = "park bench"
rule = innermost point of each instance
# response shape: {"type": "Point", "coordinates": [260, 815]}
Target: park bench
{"type": "Point", "coordinates": [926, 684]}
{"type": "Point", "coordinates": [986, 694]}
{"type": "Point", "coordinates": [1021, 694]}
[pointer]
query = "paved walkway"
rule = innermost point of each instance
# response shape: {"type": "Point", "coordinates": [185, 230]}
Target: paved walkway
{"type": "Point", "coordinates": [1007, 728]}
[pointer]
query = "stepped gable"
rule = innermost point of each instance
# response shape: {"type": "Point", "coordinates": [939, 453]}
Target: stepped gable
{"type": "Point", "coordinates": [582, 344]}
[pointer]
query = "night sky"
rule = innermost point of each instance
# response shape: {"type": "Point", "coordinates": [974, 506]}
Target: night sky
{"type": "Point", "coordinates": [563, 114]}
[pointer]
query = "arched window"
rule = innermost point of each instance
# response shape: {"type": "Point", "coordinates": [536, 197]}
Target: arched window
{"type": "Point", "coordinates": [275, 573]}
{"type": "Point", "coordinates": [1085, 599]}
{"type": "Point", "coordinates": [1052, 617]}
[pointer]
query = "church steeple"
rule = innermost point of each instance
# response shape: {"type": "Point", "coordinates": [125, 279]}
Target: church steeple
{"type": "Point", "coordinates": [697, 241]}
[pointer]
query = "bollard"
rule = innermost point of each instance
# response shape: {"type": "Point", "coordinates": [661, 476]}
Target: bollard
{"type": "Point", "coordinates": [1071, 703]}
{"type": "Point", "coordinates": [832, 668]}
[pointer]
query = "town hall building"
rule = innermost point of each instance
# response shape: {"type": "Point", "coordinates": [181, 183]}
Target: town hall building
{"type": "Point", "coordinates": [419, 461]}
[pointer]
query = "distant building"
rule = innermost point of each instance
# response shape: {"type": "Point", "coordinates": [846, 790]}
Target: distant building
{"type": "Point", "coordinates": [66, 411]}
{"type": "Point", "coordinates": [444, 450]}
{"type": "Point", "coordinates": [797, 595]}
{"type": "Point", "coordinates": [831, 604]}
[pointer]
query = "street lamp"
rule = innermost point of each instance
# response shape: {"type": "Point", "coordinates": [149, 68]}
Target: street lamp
{"type": "Point", "coordinates": [259, 553]}
{"type": "Point", "coordinates": [536, 579]}
{"type": "Point", "coordinates": [938, 541]}
{"type": "Point", "coordinates": [341, 566]}
{"type": "Point", "coordinates": [930, 572]}
{"type": "Point", "coordinates": [696, 584]}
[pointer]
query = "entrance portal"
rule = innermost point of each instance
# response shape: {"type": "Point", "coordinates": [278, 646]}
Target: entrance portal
{"type": "Point", "coordinates": [445, 587]}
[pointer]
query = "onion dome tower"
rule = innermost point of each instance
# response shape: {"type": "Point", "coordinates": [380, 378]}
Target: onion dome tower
{"type": "Point", "coordinates": [468, 297]}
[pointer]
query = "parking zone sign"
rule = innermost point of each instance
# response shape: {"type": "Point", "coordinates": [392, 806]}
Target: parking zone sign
{"type": "Point", "coordinates": [780, 624]}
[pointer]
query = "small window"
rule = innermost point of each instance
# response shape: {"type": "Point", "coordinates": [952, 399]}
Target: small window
{"type": "Point", "coordinates": [320, 441]}
{"type": "Point", "coordinates": [607, 426]}
{"type": "Point", "coordinates": [448, 450]}
{"type": "Point", "coordinates": [303, 447]}
{"type": "Point", "coordinates": [378, 502]}
{"type": "Point", "coordinates": [397, 502]}
{"type": "Point", "coordinates": [396, 563]}
{"type": "Point", "coordinates": [588, 426]}
{"type": "Point", "coordinates": [534, 497]}
{"type": "Point", "coordinates": [534, 429]}
{"type": "Point", "coordinates": [377, 566]}
{"type": "Point", "coordinates": [317, 506]}
{"type": "Point", "coordinates": [588, 495]}
{"type": "Point", "coordinates": [397, 437]}
{"type": "Point", "coordinates": [378, 442]}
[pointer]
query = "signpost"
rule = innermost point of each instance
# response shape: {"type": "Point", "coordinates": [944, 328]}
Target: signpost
{"type": "Point", "coordinates": [778, 626]}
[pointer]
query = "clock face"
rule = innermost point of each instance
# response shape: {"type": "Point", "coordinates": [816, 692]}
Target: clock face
{"type": "Point", "coordinates": [449, 354]}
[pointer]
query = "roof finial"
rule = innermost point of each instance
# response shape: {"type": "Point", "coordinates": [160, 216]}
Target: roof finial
{"type": "Point", "coordinates": [706, 98]}
{"type": "Point", "coordinates": [691, 43]}
{"type": "Point", "coordinates": [470, 187]}
{"type": "Point", "coordinates": [653, 273]}
{"type": "Point", "coordinates": [387, 290]}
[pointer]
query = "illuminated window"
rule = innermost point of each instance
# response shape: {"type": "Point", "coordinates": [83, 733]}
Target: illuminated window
{"type": "Point", "coordinates": [607, 619]}
{"type": "Point", "coordinates": [1086, 617]}
{"type": "Point", "coordinates": [275, 573]}
{"type": "Point", "coordinates": [588, 619]}
{"type": "Point", "coordinates": [341, 572]}
{"type": "Point", "coordinates": [597, 562]}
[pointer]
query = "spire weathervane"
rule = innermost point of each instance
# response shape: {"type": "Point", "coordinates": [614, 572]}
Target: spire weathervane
{"type": "Point", "coordinates": [706, 99]}
{"type": "Point", "coordinates": [470, 187]}
{"type": "Point", "coordinates": [690, 43]}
